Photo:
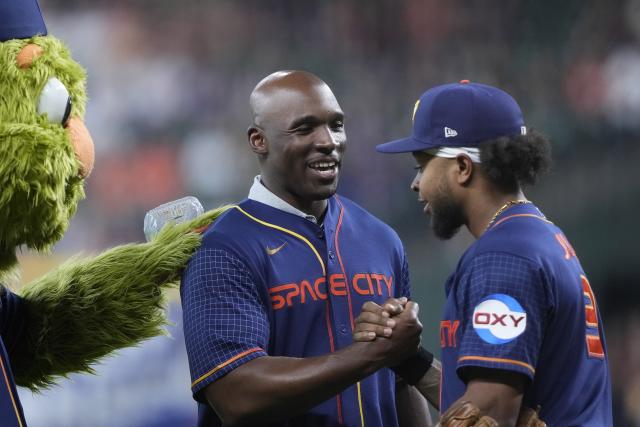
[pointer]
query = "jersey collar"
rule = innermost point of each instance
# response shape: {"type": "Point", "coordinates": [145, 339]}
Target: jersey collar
{"type": "Point", "coordinates": [260, 193]}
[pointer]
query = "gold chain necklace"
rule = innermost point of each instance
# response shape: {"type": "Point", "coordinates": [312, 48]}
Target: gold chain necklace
{"type": "Point", "coordinates": [504, 208]}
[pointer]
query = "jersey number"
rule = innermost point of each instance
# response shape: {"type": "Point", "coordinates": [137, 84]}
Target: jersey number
{"type": "Point", "coordinates": [594, 343]}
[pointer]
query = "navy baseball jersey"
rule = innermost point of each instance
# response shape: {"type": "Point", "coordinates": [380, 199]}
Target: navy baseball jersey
{"type": "Point", "coordinates": [520, 301]}
{"type": "Point", "coordinates": [10, 332]}
{"type": "Point", "coordinates": [268, 282]}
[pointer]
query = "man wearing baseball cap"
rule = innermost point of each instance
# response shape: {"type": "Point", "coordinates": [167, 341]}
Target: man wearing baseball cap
{"type": "Point", "coordinates": [520, 327]}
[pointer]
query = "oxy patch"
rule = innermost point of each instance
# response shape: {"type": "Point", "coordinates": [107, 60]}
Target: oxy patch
{"type": "Point", "coordinates": [499, 319]}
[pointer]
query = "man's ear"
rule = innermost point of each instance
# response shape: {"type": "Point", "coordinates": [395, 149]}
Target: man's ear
{"type": "Point", "coordinates": [257, 140]}
{"type": "Point", "coordinates": [465, 169]}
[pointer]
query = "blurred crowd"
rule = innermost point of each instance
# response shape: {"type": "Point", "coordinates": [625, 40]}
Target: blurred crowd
{"type": "Point", "coordinates": [169, 82]}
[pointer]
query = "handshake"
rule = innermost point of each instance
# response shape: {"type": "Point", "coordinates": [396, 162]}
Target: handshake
{"type": "Point", "coordinates": [378, 321]}
{"type": "Point", "coordinates": [396, 321]}
{"type": "Point", "coordinates": [395, 325]}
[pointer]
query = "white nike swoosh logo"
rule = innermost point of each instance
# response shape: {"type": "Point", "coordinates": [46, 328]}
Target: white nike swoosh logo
{"type": "Point", "coordinates": [275, 250]}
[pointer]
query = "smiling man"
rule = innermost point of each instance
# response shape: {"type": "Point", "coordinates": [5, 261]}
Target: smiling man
{"type": "Point", "coordinates": [270, 298]}
{"type": "Point", "coordinates": [521, 327]}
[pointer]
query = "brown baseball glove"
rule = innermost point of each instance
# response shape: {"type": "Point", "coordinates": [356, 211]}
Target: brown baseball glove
{"type": "Point", "coordinates": [529, 418]}
{"type": "Point", "coordinates": [465, 414]}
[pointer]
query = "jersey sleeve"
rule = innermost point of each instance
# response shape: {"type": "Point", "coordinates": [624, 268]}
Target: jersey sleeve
{"type": "Point", "coordinates": [504, 309]}
{"type": "Point", "coordinates": [225, 321]}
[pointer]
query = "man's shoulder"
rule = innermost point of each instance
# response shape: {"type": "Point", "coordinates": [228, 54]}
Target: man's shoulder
{"type": "Point", "coordinates": [526, 237]}
{"type": "Point", "coordinates": [232, 229]}
{"type": "Point", "coordinates": [245, 228]}
{"type": "Point", "coordinates": [225, 224]}
{"type": "Point", "coordinates": [229, 240]}
{"type": "Point", "coordinates": [524, 243]}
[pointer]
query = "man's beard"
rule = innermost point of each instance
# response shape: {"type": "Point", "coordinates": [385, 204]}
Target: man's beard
{"type": "Point", "coordinates": [447, 216]}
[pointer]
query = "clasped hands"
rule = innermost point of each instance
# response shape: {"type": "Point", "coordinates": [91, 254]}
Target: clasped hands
{"type": "Point", "coordinates": [394, 327]}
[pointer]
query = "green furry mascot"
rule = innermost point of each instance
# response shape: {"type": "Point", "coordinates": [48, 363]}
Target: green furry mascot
{"type": "Point", "coordinates": [67, 320]}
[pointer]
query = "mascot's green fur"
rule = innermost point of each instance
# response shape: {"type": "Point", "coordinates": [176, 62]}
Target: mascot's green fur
{"type": "Point", "coordinates": [88, 307]}
{"type": "Point", "coordinates": [38, 168]}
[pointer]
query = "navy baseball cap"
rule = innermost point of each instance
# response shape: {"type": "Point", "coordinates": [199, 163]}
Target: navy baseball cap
{"type": "Point", "coordinates": [459, 115]}
{"type": "Point", "coordinates": [20, 19]}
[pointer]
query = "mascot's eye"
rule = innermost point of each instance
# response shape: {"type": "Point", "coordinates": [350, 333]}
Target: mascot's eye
{"type": "Point", "coordinates": [55, 101]}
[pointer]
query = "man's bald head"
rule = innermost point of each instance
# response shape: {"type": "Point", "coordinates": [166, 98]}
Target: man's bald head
{"type": "Point", "coordinates": [271, 94]}
{"type": "Point", "coordinates": [298, 135]}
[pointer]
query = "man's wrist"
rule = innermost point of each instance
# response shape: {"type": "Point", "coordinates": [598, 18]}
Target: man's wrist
{"type": "Point", "coordinates": [415, 367]}
{"type": "Point", "coordinates": [373, 355]}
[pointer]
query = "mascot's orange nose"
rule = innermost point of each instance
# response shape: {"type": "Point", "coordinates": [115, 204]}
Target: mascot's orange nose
{"type": "Point", "coordinates": [82, 144]}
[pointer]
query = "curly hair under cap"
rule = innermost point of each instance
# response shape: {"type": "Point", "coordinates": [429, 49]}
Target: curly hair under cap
{"type": "Point", "coordinates": [515, 161]}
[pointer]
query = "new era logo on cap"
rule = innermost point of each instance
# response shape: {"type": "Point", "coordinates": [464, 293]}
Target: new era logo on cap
{"type": "Point", "coordinates": [448, 132]}
{"type": "Point", "coordinates": [461, 114]}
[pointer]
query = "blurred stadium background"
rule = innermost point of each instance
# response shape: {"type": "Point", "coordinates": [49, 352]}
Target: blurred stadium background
{"type": "Point", "coordinates": [168, 86]}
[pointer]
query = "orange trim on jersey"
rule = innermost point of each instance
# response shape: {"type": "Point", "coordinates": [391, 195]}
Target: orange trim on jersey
{"type": "Point", "coordinates": [329, 329]}
{"type": "Point", "coordinates": [521, 215]}
{"type": "Point", "coordinates": [337, 245]}
{"type": "Point", "coordinates": [286, 230]}
{"type": "Point", "coordinates": [339, 403]}
{"type": "Point", "coordinates": [13, 400]}
{"type": "Point", "coordinates": [498, 360]}
{"type": "Point", "coordinates": [333, 349]}
{"type": "Point", "coordinates": [222, 365]}
{"type": "Point", "coordinates": [344, 273]}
